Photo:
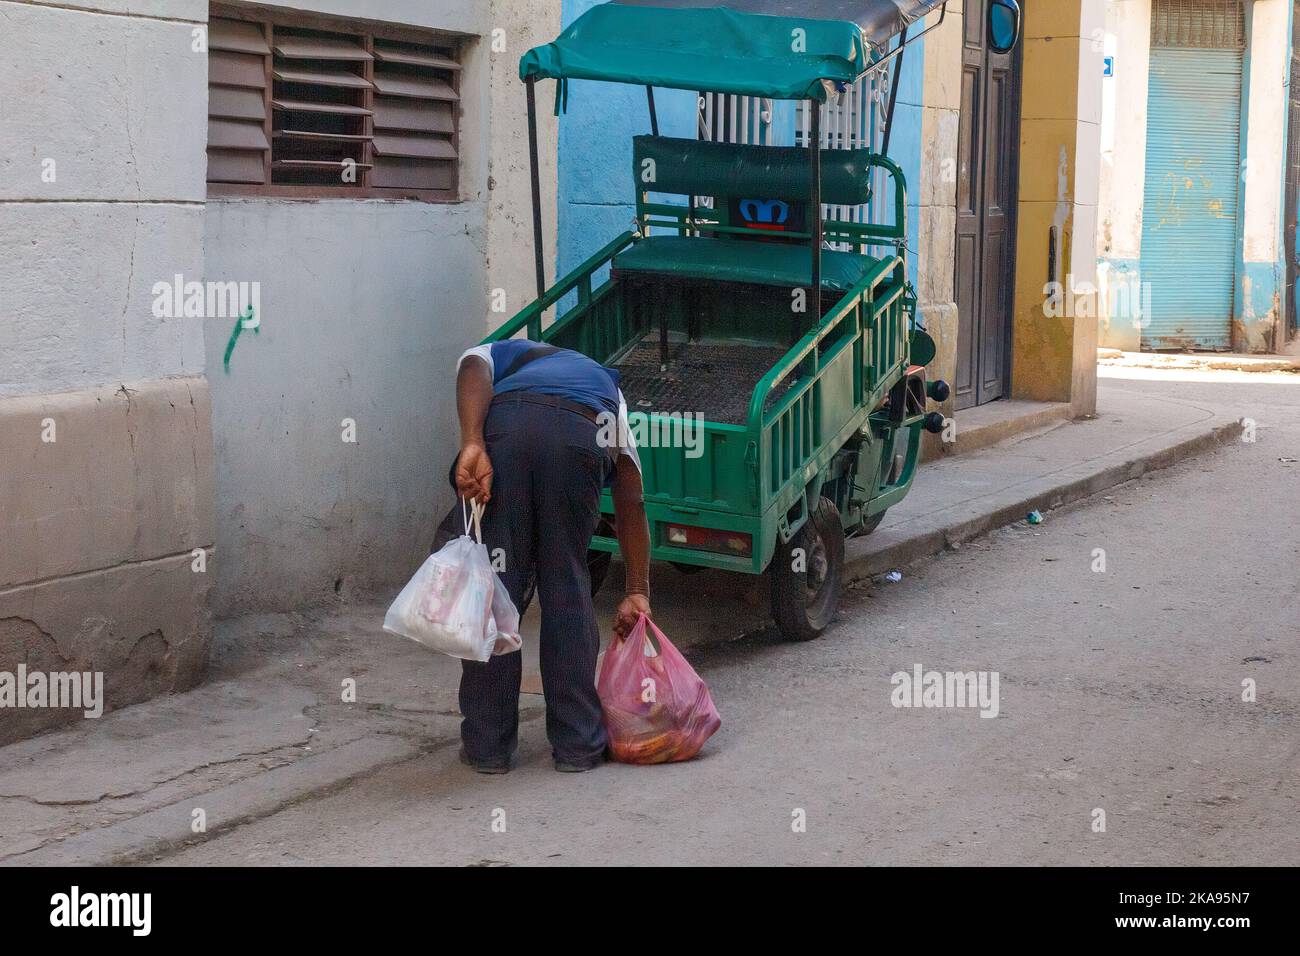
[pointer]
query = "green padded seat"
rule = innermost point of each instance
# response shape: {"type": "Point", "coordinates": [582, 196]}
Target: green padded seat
{"type": "Point", "coordinates": [738, 260]}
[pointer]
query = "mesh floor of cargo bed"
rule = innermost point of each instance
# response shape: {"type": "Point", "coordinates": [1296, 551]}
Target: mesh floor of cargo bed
{"type": "Point", "coordinates": [714, 379]}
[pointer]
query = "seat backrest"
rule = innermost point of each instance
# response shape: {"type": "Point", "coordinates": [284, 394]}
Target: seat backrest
{"type": "Point", "coordinates": [758, 190]}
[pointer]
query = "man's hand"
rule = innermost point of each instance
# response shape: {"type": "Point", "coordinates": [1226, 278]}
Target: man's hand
{"type": "Point", "coordinates": [474, 473]}
{"type": "Point", "coordinates": [473, 397]}
{"type": "Point", "coordinates": [629, 611]}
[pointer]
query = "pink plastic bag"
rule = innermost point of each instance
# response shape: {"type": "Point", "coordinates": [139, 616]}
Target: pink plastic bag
{"type": "Point", "coordinates": [657, 709]}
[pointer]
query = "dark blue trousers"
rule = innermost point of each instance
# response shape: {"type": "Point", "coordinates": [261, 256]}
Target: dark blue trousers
{"type": "Point", "coordinates": [547, 474]}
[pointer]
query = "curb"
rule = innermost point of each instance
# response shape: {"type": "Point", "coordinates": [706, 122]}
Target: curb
{"type": "Point", "coordinates": [167, 828]}
{"type": "Point", "coordinates": [978, 437]}
{"type": "Point", "coordinates": [871, 558]}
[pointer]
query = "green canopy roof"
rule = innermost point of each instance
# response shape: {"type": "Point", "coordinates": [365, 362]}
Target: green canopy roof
{"type": "Point", "coordinates": [712, 46]}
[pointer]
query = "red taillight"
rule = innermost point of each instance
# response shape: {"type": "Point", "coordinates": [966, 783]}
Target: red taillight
{"type": "Point", "coordinates": [735, 543]}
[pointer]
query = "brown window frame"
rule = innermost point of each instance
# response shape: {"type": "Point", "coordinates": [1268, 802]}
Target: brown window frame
{"type": "Point", "coordinates": [367, 32]}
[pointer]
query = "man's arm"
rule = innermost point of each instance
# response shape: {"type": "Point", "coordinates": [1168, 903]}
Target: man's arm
{"type": "Point", "coordinates": [473, 397]}
{"type": "Point", "coordinates": [634, 542]}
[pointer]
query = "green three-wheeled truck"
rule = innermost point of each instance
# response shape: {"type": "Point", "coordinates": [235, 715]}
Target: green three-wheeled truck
{"type": "Point", "coordinates": [779, 383]}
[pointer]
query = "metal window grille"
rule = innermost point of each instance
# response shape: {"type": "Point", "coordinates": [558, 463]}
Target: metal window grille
{"type": "Point", "coordinates": [1198, 24]}
{"type": "Point", "coordinates": [726, 118]}
{"type": "Point", "coordinates": [854, 119]}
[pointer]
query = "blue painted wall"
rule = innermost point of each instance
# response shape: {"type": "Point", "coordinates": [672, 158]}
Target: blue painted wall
{"type": "Point", "coordinates": [905, 147]}
{"type": "Point", "coordinates": [595, 162]}
{"type": "Point", "coordinates": [595, 165]}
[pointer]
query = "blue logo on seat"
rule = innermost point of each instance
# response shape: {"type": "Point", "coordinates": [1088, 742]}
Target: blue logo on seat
{"type": "Point", "coordinates": [765, 213]}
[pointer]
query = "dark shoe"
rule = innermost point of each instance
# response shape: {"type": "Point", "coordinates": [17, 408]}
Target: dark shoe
{"type": "Point", "coordinates": [569, 766]}
{"type": "Point", "coordinates": [483, 767]}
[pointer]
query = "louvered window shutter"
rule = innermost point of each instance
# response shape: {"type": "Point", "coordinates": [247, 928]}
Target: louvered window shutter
{"type": "Point", "coordinates": [304, 110]}
{"type": "Point", "coordinates": [415, 116]}
{"type": "Point", "coordinates": [237, 143]}
{"type": "Point", "coordinates": [319, 98]}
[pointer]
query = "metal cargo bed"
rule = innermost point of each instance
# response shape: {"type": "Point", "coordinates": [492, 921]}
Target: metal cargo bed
{"type": "Point", "coordinates": [713, 379]}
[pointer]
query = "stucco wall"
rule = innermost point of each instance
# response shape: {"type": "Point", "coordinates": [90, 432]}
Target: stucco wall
{"type": "Point", "coordinates": [1262, 275]}
{"type": "Point", "coordinates": [1052, 358]}
{"type": "Point", "coordinates": [1087, 197]}
{"type": "Point", "coordinates": [1053, 351]}
{"type": "Point", "coordinates": [935, 192]}
{"type": "Point", "coordinates": [105, 436]}
{"type": "Point", "coordinates": [527, 23]}
{"type": "Point", "coordinates": [365, 308]}
{"type": "Point", "coordinates": [105, 105]}
{"type": "Point", "coordinates": [1122, 170]}
{"type": "Point", "coordinates": [366, 304]}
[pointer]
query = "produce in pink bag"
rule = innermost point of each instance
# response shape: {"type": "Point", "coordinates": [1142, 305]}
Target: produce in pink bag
{"type": "Point", "coordinates": [657, 709]}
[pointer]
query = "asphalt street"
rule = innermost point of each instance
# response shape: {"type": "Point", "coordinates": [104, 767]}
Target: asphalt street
{"type": "Point", "coordinates": [1121, 735]}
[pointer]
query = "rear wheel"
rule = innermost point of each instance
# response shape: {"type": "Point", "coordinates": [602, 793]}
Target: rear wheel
{"type": "Point", "coordinates": [807, 572]}
{"type": "Point", "coordinates": [872, 523]}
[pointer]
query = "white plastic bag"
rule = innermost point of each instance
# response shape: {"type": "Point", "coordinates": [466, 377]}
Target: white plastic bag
{"type": "Point", "coordinates": [505, 621]}
{"type": "Point", "coordinates": [448, 606]}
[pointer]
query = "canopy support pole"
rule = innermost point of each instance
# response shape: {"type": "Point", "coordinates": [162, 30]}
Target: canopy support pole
{"type": "Point", "coordinates": [539, 258]}
{"type": "Point", "coordinates": [898, 50]}
{"type": "Point", "coordinates": [893, 86]}
{"type": "Point", "coordinates": [654, 117]}
{"type": "Point", "coordinates": [663, 314]}
{"type": "Point", "coordinates": [815, 165]}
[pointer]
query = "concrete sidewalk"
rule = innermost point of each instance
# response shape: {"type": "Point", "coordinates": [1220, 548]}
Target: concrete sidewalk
{"type": "Point", "coordinates": [275, 726]}
{"type": "Point", "coordinates": [957, 498]}
{"type": "Point", "coordinates": [1198, 361]}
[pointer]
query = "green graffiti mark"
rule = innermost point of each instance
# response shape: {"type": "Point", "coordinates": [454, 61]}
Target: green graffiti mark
{"type": "Point", "coordinates": [234, 336]}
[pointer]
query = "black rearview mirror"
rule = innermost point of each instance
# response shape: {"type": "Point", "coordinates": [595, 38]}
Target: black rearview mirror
{"type": "Point", "coordinates": [1004, 25]}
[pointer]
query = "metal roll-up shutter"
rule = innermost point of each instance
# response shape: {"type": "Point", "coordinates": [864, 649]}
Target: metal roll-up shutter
{"type": "Point", "coordinates": [1193, 173]}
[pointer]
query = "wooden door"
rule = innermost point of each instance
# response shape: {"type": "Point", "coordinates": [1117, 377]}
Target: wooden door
{"type": "Point", "coordinates": [986, 204]}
